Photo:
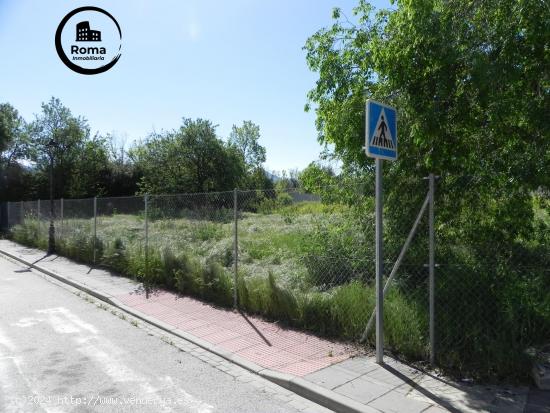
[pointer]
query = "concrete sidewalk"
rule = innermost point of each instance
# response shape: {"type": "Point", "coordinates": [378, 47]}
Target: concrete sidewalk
{"type": "Point", "coordinates": [337, 375]}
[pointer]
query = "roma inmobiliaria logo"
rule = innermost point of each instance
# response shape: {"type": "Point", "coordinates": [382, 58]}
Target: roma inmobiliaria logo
{"type": "Point", "coordinates": [89, 40]}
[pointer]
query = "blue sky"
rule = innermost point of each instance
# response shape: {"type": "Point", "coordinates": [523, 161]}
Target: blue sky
{"type": "Point", "coordinates": [226, 61]}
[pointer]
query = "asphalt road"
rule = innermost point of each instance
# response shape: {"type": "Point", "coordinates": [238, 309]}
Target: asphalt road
{"type": "Point", "coordinates": [61, 351]}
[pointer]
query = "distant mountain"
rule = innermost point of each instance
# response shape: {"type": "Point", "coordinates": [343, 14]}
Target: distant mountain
{"type": "Point", "coordinates": [272, 177]}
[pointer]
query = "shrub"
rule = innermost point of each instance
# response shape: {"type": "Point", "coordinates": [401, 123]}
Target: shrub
{"type": "Point", "coordinates": [217, 284]}
{"type": "Point", "coordinates": [254, 294]}
{"type": "Point", "coordinates": [272, 204]}
{"type": "Point", "coordinates": [351, 307]}
{"type": "Point", "coordinates": [406, 324]}
{"type": "Point", "coordinates": [115, 256]}
{"type": "Point", "coordinates": [316, 312]}
{"type": "Point", "coordinates": [283, 303]}
{"type": "Point", "coordinates": [186, 271]}
{"type": "Point", "coordinates": [204, 231]}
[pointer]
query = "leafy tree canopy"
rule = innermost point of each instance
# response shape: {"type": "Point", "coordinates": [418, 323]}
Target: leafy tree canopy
{"type": "Point", "coordinates": [190, 159]}
{"type": "Point", "coordinates": [12, 133]}
{"type": "Point", "coordinates": [14, 146]}
{"type": "Point", "coordinates": [471, 81]}
{"type": "Point", "coordinates": [80, 161]}
{"type": "Point", "coordinates": [246, 139]}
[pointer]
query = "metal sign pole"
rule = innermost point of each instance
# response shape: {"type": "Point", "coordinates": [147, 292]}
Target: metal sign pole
{"type": "Point", "coordinates": [432, 270]}
{"type": "Point", "coordinates": [95, 226]}
{"type": "Point", "coordinates": [146, 213]}
{"type": "Point", "coordinates": [380, 143]}
{"type": "Point", "coordinates": [379, 266]}
{"type": "Point", "coordinates": [235, 247]}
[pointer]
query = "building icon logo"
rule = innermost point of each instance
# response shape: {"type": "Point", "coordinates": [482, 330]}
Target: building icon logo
{"type": "Point", "coordinates": [84, 50]}
{"type": "Point", "coordinates": [85, 34]}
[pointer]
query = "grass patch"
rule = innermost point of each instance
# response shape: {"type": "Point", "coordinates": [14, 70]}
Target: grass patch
{"type": "Point", "coordinates": [309, 265]}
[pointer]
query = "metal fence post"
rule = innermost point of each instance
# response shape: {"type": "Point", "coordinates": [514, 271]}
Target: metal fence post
{"type": "Point", "coordinates": [432, 268]}
{"type": "Point", "coordinates": [146, 202]}
{"type": "Point", "coordinates": [95, 226]}
{"type": "Point", "coordinates": [38, 215]}
{"type": "Point", "coordinates": [8, 215]}
{"type": "Point", "coordinates": [61, 216]}
{"type": "Point", "coordinates": [235, 246]}
{"type": "Point", "coordinates": [21, 212]}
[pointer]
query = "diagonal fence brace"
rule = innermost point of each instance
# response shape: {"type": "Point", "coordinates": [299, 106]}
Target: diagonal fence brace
{"type": "Point", "coordinates": [398, 262]}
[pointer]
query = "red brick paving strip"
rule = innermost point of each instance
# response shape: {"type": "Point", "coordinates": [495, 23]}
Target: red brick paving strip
{"type": "Point", "coordinates": [251, 338]}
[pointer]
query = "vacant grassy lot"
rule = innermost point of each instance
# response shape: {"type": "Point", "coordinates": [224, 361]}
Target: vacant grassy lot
{"type": "Point", "coordinates": [281, 275]}
{"type": "Point", "coordinates": [310, 265]}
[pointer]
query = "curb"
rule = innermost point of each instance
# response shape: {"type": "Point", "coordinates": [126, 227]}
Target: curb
{"type": "Point", "coordinates": [317, 394]}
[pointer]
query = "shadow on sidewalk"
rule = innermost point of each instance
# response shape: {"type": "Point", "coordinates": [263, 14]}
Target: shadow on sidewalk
{"type": "Point", "coordinates": [441, 402]}
{"type": "Point", "coordinates": [243, 315]}
{"type": "Point", "coordinates": [28, 269]}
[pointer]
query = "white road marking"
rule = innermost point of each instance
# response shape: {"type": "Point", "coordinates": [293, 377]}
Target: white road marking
{"type": "Point", "coordinates": [6, 342]}
{"type": "Point", "coordinates": [108, 357]}
{"type": "Point", "coordinates": [72, 322]}
{"type": "Point", "coordinates": [12, 404]}
{"type": "Point", "coordinates": [27, 322]}
{"type": "Point", "coordinates": [190, 401]}
{"type": "Point", "coordinates": [17, 400]}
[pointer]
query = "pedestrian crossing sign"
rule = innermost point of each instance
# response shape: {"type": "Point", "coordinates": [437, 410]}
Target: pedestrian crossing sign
{"type": "Point", "coordinates": [381, 131]}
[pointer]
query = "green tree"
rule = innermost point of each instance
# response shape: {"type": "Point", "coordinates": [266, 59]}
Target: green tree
{"type": "Point", "coordinates": [91, 170]}
{"type": "Point", "coordinates": [471, 82]}
{"type": "Point", "coordinates": [246, 139]}
{"type": "Point", "coordinates": [123, 176]}
{"type": "Point", "coordinates": [13, 149]}
{"type": "Point", "coordinates": [79, 160]}
{"type": "Point", "coordinates": [12, 134]}
{"type": "Point", "coordinates": [316, 176]}
{"type": "Point", "coordinates": [193, 159]}
{"type": "Point", "coordinates": [287, 180]}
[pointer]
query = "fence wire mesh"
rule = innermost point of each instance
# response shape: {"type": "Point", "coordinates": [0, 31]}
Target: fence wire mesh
{"type": "Point", "coordinates": [493, 275]}
{"type": "Point", "coordinates": [120, 233]}
{"type": "Point", "coordinates": [306, 258]}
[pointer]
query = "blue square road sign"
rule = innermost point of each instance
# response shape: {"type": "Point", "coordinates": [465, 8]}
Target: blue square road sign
{"type": "Point", "coordinates": [381, 131]}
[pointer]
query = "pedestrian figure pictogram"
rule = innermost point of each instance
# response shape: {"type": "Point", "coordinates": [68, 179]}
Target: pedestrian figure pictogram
{"type": "Point", "coordinates": [382, 137]}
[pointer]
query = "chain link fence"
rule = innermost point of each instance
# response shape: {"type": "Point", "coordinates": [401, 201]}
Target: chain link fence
{"type": "Point", "coordinates": [306, 259]}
